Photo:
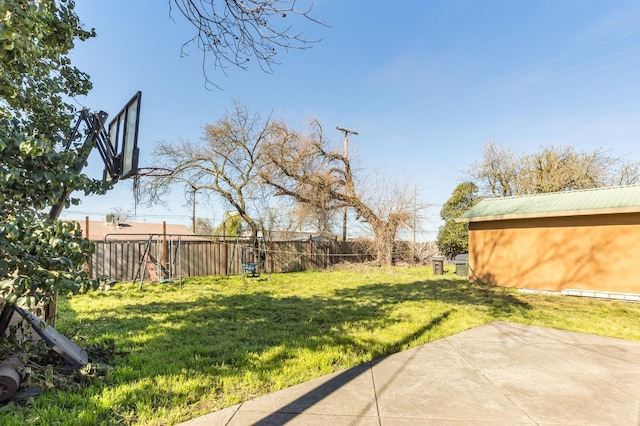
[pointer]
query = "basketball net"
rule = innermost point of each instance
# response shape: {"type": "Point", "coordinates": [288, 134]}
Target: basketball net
{"type": "Point", "coordinates": [146, 172]}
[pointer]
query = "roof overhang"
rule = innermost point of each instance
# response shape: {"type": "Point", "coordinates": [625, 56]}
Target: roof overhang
{"type": "Point", "coordinates": [564, 213]}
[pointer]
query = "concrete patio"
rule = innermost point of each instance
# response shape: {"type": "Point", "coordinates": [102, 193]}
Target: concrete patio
{"type": "Point", "coordinates": [496, 374]}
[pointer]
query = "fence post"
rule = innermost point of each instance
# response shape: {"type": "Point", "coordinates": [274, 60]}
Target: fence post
{"type": "Point", "coordinates": [87, 266]}
{"type": "Point", "coordinates": [271, 255]}
{"type": "Point", "coordinates": [225, 253]}
{"type": "Point", "coordinates": [310, 265]}
{"type": "Point", "coordinates": [165, 250]}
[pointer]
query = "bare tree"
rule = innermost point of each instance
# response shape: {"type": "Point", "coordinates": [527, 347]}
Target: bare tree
{"type": "Point", "coordinates": [498, 170]}
{"type": "Point", "coordinates": [302, 167]}
{"type": "Point", "coordinates": [242, 157]}
{"type": "Point", "coordinates": [123, 215]}
{"type": "Point", "coordinates": [503, 172]}
{"type": "Point", "coordinates": [320, 218]}
{"type": "Point", "coordinates": [203, 227]}
{"type": "Point", "coordinates": [394, 202]}
{"type": "Point", "coordinates": [235, 31]}
{"type": "Point", "coordinates": [225, 162]}
{"type": "Point", "coordinates": [320, 214]}
{"type": "Point", "coordinates": [278, 219]}
{"type": "Point", "coordinates": [628, 173]}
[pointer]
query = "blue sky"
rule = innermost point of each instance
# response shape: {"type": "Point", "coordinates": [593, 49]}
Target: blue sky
{"type": "Point", "coordinates": [426, 83]}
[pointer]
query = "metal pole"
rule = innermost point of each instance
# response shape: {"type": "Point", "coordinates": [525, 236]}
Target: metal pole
{"type": "Point", "coordinates": [180, 258]}
{"type": "Point", "coordinates": [224, 246]}
{"type": "Point", "coordinates": [165, 249]}
{"type": "Point", "coordinates": [87, 266]}
{"type": "Point", "coordinates": [96, 122]}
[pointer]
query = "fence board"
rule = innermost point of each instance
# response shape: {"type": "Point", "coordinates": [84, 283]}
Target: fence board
{"type": "Point", "coordinates": [122, 260]}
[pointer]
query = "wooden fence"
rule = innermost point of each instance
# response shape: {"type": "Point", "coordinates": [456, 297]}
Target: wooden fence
{"type": "Point", "coordinates": [180, 256]}
{"type": "Point", "coordinates": [185, 256]}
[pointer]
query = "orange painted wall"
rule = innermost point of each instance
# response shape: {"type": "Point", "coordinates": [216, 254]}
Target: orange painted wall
{"type": "Point", "coordinates": [600, 252]}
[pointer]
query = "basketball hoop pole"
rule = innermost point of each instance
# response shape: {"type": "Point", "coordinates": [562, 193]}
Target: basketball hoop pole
{"type": "Point", "coordinates": [95, 123]}
{"type": "Point", "coordinates": [99, 138]}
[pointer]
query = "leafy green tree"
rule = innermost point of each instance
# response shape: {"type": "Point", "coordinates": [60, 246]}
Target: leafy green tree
{"type": "Point", "coordinates": [453, 238]}
{"type": "Point", "coordinates": [233, 225]}
{"type": "Point", "coordinates": [39, 255]}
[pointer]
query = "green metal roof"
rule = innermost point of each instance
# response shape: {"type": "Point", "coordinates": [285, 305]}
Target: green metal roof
{"type": "Point", "coordinates": [619, 199]}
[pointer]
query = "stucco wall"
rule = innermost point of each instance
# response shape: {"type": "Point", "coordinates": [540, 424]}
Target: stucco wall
{"type": "Point", "coordinates": [600, 252]}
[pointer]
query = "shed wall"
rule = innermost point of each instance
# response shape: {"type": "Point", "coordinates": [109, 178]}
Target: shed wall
{"type": "Point", "coordinates": [599, 252]}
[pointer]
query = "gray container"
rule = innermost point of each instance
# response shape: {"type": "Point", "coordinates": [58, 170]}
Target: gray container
{"type": "Point", "coordinates": [462, 264]}
{"type": "Point", "coordinates": [462, 270]}
{"type": "Point", "coordinates": [438, 265]}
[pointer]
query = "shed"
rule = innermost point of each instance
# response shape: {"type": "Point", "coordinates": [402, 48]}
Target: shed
{"type": "Point", "coordinates": [584, 240]}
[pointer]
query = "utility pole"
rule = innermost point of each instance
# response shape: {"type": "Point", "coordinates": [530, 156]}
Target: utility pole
{"type": "Point", "coordinates": [415, 213]}
{"type": "Point", "coordinates": [346, 156]}
{"type": "Point", "coordinates": [193, 208]}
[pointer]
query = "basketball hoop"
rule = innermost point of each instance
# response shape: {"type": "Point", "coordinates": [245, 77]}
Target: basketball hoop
{"type": "Point", "coordinates": [154, 172]}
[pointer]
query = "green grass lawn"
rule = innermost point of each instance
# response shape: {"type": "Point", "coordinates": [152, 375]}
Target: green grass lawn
{"type": "Point", "coordinates": [216, 342]}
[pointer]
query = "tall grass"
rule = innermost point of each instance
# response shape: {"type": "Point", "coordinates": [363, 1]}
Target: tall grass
{"type": "Point", "coordinates": [185, 351]}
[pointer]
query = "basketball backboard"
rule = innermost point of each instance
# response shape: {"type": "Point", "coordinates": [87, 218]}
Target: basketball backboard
{"type": "Point", "coordinates": [123, 134]}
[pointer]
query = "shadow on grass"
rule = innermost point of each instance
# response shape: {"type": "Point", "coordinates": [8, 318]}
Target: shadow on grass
{"type": "Point", "coordinates": [250, 336]}
{"type": "Point", "coordinates": [317, 394]}
{"type": "Point", "coordinates": [498, 301]}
